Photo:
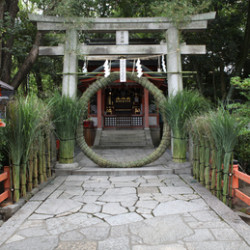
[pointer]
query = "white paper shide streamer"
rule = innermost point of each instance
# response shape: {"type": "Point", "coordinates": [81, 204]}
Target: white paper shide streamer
{"type": "Point", "coordinates": [163, 64]}
{"type": "Point", "coordinates": [106, 69]}
{"type": "Point", "coordinates": [84, 68]}
{"type": "Point", "coordinates": [139, 68]}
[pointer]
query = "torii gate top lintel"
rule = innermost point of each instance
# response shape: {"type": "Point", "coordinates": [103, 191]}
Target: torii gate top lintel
{"type": "Point", "coordinates": [112, 24]}
{"type": "Point", "coordinates": [122, 26]}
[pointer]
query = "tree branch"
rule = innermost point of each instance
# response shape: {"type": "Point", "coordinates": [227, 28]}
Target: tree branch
{"type": "Point", "coordinates": [28, 62]}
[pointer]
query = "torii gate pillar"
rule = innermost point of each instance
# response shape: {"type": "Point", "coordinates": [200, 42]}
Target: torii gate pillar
{"type": "Point", "coordinates": [174, 67]}
{"type": "Point", "coordinates": [69, 85]}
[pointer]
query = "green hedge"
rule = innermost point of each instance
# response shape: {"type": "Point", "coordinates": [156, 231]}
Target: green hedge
{"type": "Point", "coordinates": [242, 150]}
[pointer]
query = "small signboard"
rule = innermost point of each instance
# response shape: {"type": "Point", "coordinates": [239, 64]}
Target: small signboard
{"type": "Point", "coordinates": [123, 77]}
{"type": "Point", "coordinates": [122, 37]}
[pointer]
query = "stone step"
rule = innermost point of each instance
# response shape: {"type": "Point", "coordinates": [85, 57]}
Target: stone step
{"type": "Point", "coordinates": [123, 139]}
{"type": "Point", "coordinates": [127, 139]}
{"type": "Point", "coordinates": [156, 170]}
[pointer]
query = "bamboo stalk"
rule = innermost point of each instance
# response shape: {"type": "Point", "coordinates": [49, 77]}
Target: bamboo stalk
{"type": "Point", "coordinates": [198, 161]}
{"type": "Point", "coordinates": [53, 149]}
{"type": "Point", "coordinates": [16, 182]}
{"type": "Point", "coordinates": [207, 164]}
{"type": "Point", "coordinates": [227, 158]}
{"type": "Point", "coordinates": [213, 181]}
{"type": "Point", "coordinates": [31, 169]}
{"type": "Point", "coordinates": [179, 147]}
{"type": "Point", "coordinates": [44, 166]}
{"type": "Point", "coordinates": [23, 179]}
{"type": "Point", "coordinates": [202, 160]}
{"type": "Point", "coordinates": [194, 158]}
{"type": "Point", "coordinates": [35, 172]}
{"type": "Point", "coordinates": [219, 174]}
{"type": "Point", "coordinates": [49, 155]}
{"type": "Point", "coordinates": [40, 160]}
{"type": "Point", "coordinates": [66, 151]}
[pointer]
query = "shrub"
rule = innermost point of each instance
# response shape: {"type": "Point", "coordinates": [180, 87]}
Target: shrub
{"type": "Point", "coordinates": [242, 150]}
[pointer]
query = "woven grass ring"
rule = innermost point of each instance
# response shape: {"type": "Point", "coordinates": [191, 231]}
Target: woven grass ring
{"type": "Point", "coordinates": [159, 99]}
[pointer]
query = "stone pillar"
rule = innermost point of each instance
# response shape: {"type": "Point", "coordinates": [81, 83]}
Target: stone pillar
{"type": "Point", "coordinates": [174, 61]}
{"type": "Point", "coordinates": [146, 108]}
{"type": "Point", "coordinates": [99, 109]}
{"type": "Point", "coordinates": [70, 64]}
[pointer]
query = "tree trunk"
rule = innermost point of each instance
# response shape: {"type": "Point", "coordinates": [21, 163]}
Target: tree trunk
{"type": "Point", "coordinates": [198, 77]}
{"type": "Point", "coordinates": [39, 81]}
{"type": "Point", "coordinates": [28, 62]}
{"type": "Point", "coordinates": [222, 81]}
{"type": "Point", "coordinates": [214, 87]}
{"type": "Point", "coordinates": [12, 8]}
{"type": "Point", "coordinates": [244, 46]}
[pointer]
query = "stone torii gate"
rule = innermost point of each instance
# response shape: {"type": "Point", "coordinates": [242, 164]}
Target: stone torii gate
{"type": "Point", "coordinates": [121, 26]}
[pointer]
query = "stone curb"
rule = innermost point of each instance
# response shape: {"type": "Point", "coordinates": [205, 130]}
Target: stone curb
{"type": "Point", "coordinates": [226, 213]}
{"type": "Point", "coordinates": [169, 168]}
{"type": "Point", "coordinates": [9, 210]}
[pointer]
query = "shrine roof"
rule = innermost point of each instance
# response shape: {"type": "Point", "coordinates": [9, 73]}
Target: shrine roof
{"type": "Point", "coordinates": [159, 79]}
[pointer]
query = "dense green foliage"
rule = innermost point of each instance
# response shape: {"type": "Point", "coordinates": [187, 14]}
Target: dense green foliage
{"type": "Point", "coordinates": [242, 108]}
{"type": "Point", "coordinates": [242, 111]}
{"type": "Point", "coordinates": [226, 38]}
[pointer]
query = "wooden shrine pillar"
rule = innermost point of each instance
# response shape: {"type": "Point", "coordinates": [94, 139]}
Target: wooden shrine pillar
{"type": "Point", "coordinates": [174, 67]}
{"type": "Point", "coordinates": [146, 108]}
{"type": "Point", "coordinates": [99, 109]}
{"type": "Point", "coordinates": [70, 64]}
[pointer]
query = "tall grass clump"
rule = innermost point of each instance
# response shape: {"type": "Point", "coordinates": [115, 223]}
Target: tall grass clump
{"type": "Point", "coordinates": [24, 119]}
{"type": "Point", "coordinates": [225, 129]}
{"type": "Point", "coordinates": [66, 113]}
{"type": "Point", "coordinates": [179, 109]}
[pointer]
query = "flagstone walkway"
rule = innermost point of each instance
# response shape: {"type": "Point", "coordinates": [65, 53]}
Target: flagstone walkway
{"type": "Point", "coordinates": [138, 212]}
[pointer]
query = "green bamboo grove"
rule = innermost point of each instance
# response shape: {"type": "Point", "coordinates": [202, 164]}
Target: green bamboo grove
{"type": "Point", "coordinates": [214, 137]}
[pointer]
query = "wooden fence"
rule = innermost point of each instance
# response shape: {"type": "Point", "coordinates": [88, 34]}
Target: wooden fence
{"type": "Point", "coordinates": [236, 193]}
{"type": "Point", "coordinates": [39, 169]}
{"type": "Point", "coordinates": [213, 179]}
{"type": "Point", "coordinates": [5, 177]}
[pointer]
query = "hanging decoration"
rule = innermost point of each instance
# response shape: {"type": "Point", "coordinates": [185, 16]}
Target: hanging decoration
{"type": "Point", "coordinates": [106, 69]}
{"type": "Point", "coordinates": [139, 68]}
{"type": "Point", "coordinates": [84, 67]}
{"type": "Point", "coordinates": [163, 64]}
{"type": "Point", "coordinates": [123, 77]}
{"type": "Point", "coordinates": [133, 67]}
{"type": "Point", "coordinates": [159, 65]}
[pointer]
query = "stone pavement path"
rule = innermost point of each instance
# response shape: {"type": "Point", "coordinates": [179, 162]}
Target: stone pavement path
{"type": "Point", "coordinates": [126, 212]}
